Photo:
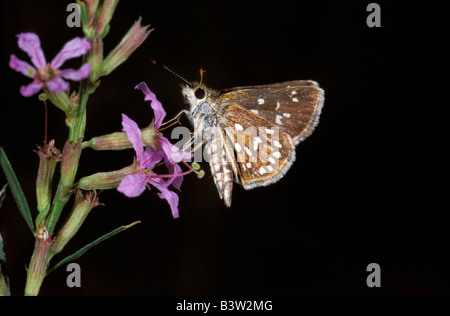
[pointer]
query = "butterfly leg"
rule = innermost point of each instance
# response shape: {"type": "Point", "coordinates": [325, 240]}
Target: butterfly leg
{"type": "Point", "coordinates": [175, 120]}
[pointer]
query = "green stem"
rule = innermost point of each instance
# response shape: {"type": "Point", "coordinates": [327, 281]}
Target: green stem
{"type": "Point", "coordinates": [41, 255]}
{"type": "Point", "coordinates": [38, 264]}
{"type": "Point", "coordinates": [76, 133]}
{"type": "Point", "coordinates": [62, 196]}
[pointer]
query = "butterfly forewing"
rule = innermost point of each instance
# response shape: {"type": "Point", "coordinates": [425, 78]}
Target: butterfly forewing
{"type": "Point", "coordinates": [293, 106]}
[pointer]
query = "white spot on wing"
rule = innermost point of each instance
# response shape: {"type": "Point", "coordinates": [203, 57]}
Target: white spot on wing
{"type": "Point", "coordinates": [287, 115]}
{"type": "Point", "coordinates": [295, 99]}
{"type": "Point", "coordinates": [255, 111]}
{"type": "Point", "coordinates": [278, 105]}
{"type": "Point", "coordinates": [238, 127]}
{"type": "Point", "coordinates": [277, 144]}
{"type": "Point", "coordinates": [278, 119]}
{"type": "Point", "coordinates": [262, 170]}
{"type": "Point", "coordinates": [238, 147]}
{"type": "Point", "coordinates": [260, 101]}
{"type": "Point", "coordinates": [249, 165]}
{"type": "Point", "coordinates": [255, 144]}
{"type": "Point", "coordinates": [276, 154]}
{"type": "Point", "coordinates": [294, 92]}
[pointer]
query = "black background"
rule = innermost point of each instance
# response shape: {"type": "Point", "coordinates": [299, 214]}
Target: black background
{"type": "Point", "coordinates": [367, 186]}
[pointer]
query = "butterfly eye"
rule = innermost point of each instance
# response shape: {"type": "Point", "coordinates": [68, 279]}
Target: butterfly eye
{"type": "Point", "coordinates": [199, 93]}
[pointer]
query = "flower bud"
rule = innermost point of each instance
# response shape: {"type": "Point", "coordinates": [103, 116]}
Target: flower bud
{"type": "Point", "coordinates": [120, 141]}
{"type": "Point", "coordinates": [91, 8]}
{"type": "Point", "coordinates": [107, 180]}
{"type": "Point", "coordinates": [84, 203]}
{"type": "Point", "coordinates": [61, 100]}
{"type": "Point", "coordinates": [69, 163]}
{"type": "Point", "coordinates": [103, 17]}
{"type": "Point", "coordinates": [129, 43]}
{"type": "Point", "coordinates": [48, 158]}
{"type": "Point", "coordinates": [95, 58]}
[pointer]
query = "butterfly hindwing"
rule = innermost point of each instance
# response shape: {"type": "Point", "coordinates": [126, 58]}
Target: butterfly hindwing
{"type": "Point", "coordinates": [259, 151]}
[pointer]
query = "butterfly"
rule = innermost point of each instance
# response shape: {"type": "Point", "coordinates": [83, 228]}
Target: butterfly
{"type": "Point", "coordinates": [250, 133]}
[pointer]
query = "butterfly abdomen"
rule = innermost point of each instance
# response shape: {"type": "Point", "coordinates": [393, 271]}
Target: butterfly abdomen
{"type": "Point", "coordinates": [221, 169]}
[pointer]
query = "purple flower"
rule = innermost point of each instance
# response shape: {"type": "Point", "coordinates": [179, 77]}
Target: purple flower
{"type": "Point", "coordinates": [133, 185]}
{"type": "Point", "coordinates": [49, 75]}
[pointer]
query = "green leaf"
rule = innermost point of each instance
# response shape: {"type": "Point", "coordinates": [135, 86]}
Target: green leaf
{"type": "Point", "coordinates": [2, 197]}
{"type": "Point", "coordinates": [4, 283]}
{"type": "Point", "coordinates": [2, 254]}
{"type": "Point", "coordinates": [83, 250]}
{"type": "Point", "coordinates": [42, 215]}
{"type": "Point", "coordinates": [83, 13]}
{"type": "Point", "coordinates": [105, 32]}
{"type": "Point", "coordinates": [16, 190]}
{"type": "Point", "coordinates": [3, 194]}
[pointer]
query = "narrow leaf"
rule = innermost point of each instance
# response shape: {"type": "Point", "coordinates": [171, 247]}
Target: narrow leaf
{"type": "Point", "coordinates": [3, 194]}
{"type": "Point", "coordinates": [4, 283]}
{"type": "Point", "coordinates": [2, 253]}
{"type": "Point", "coordinates": [16, 190]}
{"type": "Point", "coordinates": [83, 250]}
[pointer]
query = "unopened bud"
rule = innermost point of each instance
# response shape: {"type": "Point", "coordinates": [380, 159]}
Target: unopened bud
{"type": "Point", "coordinates": [95, 59]}
{"type": "Point", "coordinates": [49, 156]}
{"type": "Point", "coordinates": [61, 100]}
{"type": "Point", "coordinates": [120, 141]}
{"type": "Point", "coordinates": [107, 180]}
{"type": "Point", "coordinates": [84, 203]}
{"type": "Point", "coordinates": [69, 163]}
{"type": "Point", "coordinates": [103, 16]}
{"type": "Point", "coordinates": [130, 42]}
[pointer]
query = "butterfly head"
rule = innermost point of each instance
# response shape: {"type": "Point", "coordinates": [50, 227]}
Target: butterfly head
{"type": "Point", "coordinates": [196, 94]}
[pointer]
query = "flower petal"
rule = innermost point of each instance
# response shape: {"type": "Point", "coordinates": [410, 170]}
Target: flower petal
{"type": "Point", "coordinates": [25, 68]}
{"type": "Point", "coordinates": [76, 75]}
{"type": "Point", "coordinates": [172, 153]}
{"type": "Point", "coordinates": [133, 185]}
{"type": "Point", "coordinates": [175, 181]}
{"type": "Point", "coordinates": [157, 107]}
{"type": "Point", "coordinates": [134, 136]}
{"type": "Point", "coordinates": [151, 157]}
{"type": "Point", "coordinates": [30, 43]}
{"type": "Point", "coordinates": [57, 85]}
{"type": "Point", "coordinates": [32, 88]}
{"type": "Point", "coordinates": [170, 196]}
{"type": "Point", "coordinates": [72, 49]}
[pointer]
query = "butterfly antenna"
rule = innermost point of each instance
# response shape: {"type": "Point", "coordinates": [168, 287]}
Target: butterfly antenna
{"type": "Point", "coordinates": [156, 62]}
{"type": "Point", "coordinates": [201, 75]}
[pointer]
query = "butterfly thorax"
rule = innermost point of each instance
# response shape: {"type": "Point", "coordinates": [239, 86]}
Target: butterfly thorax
{"type": "Point", "coordinates": [203, 108]}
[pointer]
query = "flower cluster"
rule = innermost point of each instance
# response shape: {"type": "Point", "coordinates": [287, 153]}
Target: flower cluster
{"type": "Point", "coordinates": [134, 184]}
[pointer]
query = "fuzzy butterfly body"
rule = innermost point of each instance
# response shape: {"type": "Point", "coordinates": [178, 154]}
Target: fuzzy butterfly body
{"type": "Point", "coordinates": [250, 133]}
